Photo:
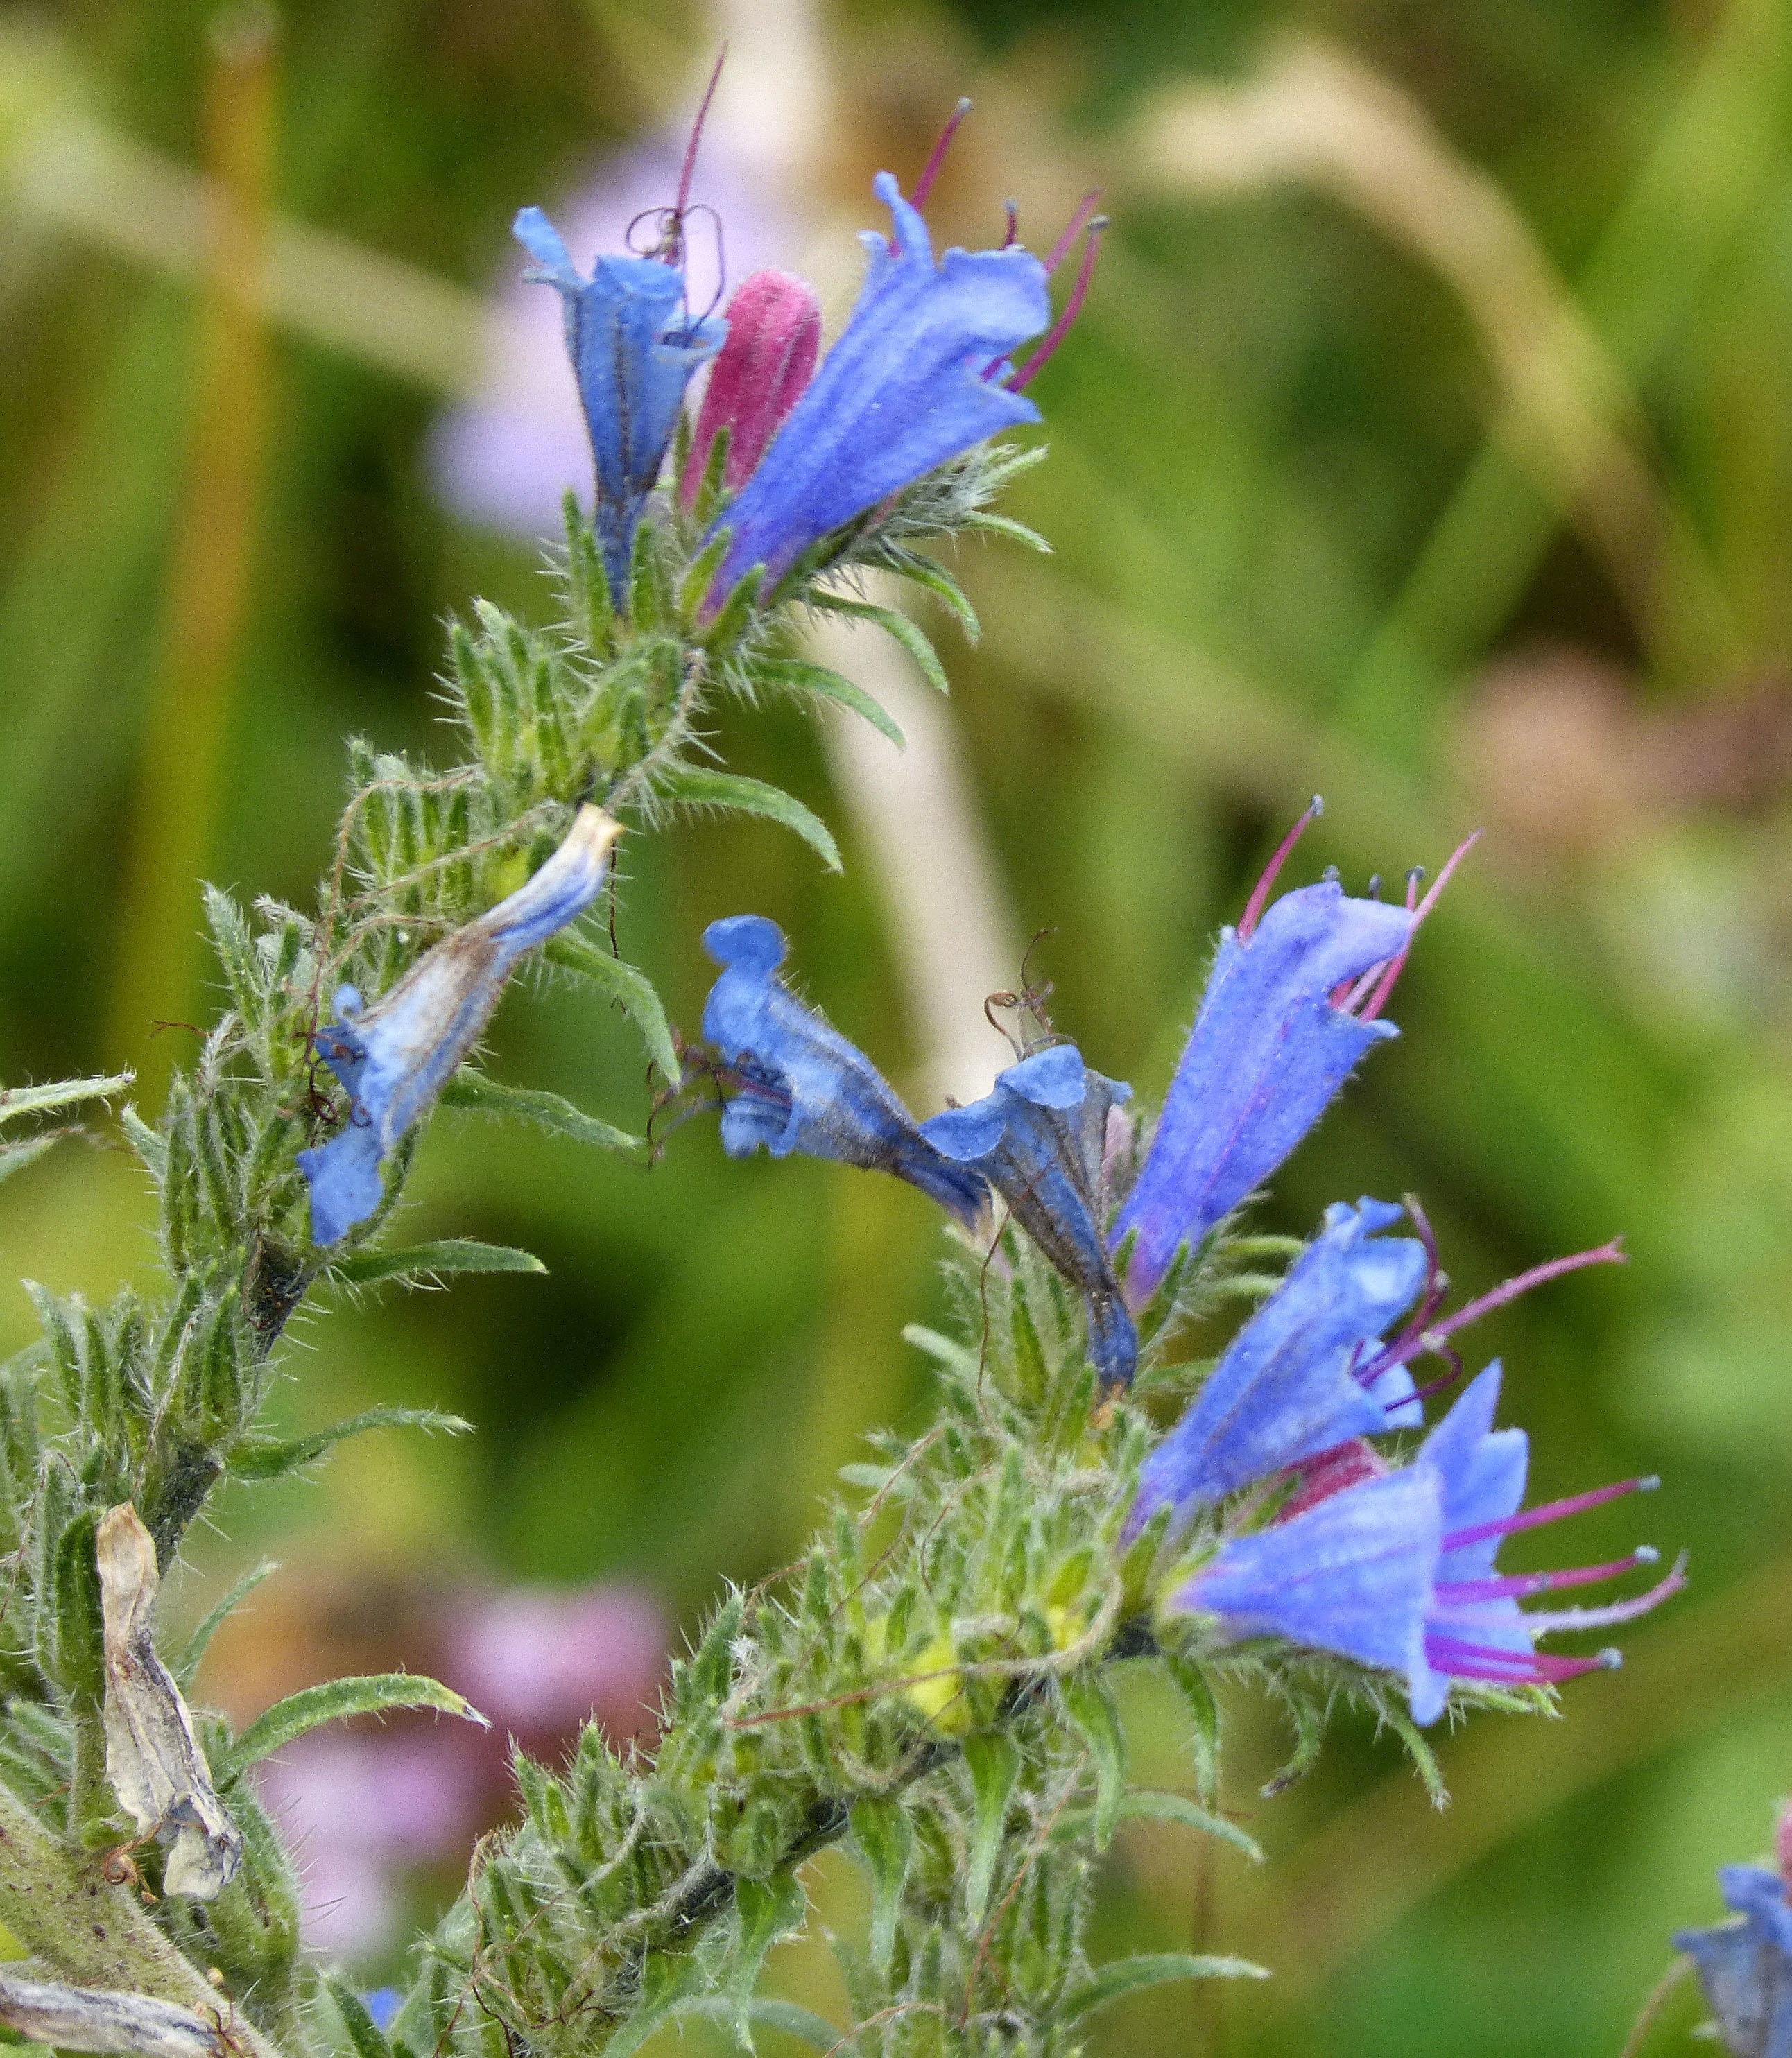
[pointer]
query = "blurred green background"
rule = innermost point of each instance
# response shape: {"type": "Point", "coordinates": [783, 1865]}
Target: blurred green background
{"type": "Point", "coordinates": [1427, 441]}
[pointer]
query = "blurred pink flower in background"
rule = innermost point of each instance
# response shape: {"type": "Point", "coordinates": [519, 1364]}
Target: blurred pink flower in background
{"type": "Point", "coordinates": [365, 1806]}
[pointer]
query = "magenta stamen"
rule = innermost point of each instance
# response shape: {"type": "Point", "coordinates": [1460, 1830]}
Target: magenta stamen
{"type": "Point", "coordinates": [1083, 218]}
{"type": "Point", "coordinates": [1474, 1661]}
{"type": "Point", "coordinates": [1522, 1586]}
{"type": "Point", "coordinates": [1555, 1622]}
{"type": "Point", "coordinates": [1550, 1511]}
{"type": "Point", "coordinates": [690, 166]}
{"type": "Point", "coordinates": [930, 171]}
{"type": "Point", "coordinates": [1391, 979]}
{"type": "Point", "coordinates": [1011, 209]}
{"type": "Point", "coordinates": [1364, 985]}
{"type": "Point", "coordinates": [1072, 307]}
{"type": "Point", "coordinates": [1433, 1386]}
{"type": "Point", "coordinates": [1259, 893]}
{"type": "Point", "coordinates": [1539, 1275]}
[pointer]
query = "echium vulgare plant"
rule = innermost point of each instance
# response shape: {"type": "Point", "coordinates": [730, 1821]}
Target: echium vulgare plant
{"type": "Point", "coordinates": [932, 1685]}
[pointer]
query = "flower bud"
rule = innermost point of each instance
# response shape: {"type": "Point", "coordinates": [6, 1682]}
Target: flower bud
{"type": "Point", "coordinates": [774, 331]}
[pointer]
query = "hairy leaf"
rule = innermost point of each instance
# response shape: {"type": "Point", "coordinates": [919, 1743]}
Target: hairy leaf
{"type": "Point", "coordinates": [420, 1261]}
{"type": "Point", "coordinates": [792, 675]}
{"type": "Point", "coordinates": [312, 1706]}
{"type": "Point", "coordinates": [15, 1101]}
{"type": "Point", "coordinates": [633, 991]}
{"type": "Point", "coordinates": [1145, 1803]}
{"type": "Point", "coordinates": [1151, 1968]}
{"type": "Point", "coordinates": [477, 1092]}
{"type": "Point", "coordinates": [263, 1458]}
{"type": "Point", "coordinates": [913, 640]}
{"type": "Point", "coordinates": [697, 786]}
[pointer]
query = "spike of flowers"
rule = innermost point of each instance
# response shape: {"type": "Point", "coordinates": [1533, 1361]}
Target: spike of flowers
{"type": "Point", "coordinates": [1268, 1051]}
{"type": "Point", "coordinates": [1398, 1571]}
{"type": "Point", "coordinates": [797, 1084]}
{"type": "Point", "coordinates": [634, 349]}
{"type": "Point", "coordinates": [1746, 1967]}
{"type": "Point", "coordinates": [1038, 1139]}
{"type": "Point", "coordinates": [898, 395]}
{"type": "Point", "coordinates": [774, 332]}
{"type": "Point", "coordinates": [1286, 1388]}
{"type": "Point", "coordinates": [393, 1059]}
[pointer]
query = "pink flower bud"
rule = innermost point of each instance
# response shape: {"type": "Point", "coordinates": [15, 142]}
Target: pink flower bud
{"type": "Point", "coordinates": [1319, 1478]}
{"type": "Point", "coordinates": [774, 331]}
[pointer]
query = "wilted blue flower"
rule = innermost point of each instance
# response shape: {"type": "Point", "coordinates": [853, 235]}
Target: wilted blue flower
{"type": "Point", "coordinates": [1269, 1048]}
{"type": "Point", "coordinates": [634, 348]}
{"type": "Point", "coordinates": [903, 389]}
{"type": "Point", "coordinates": [1291, 1382]}
{"type": "Point", "coordinates": [395, 1058]}
{"type": "Point", "coordinates": [1398, 1572]}
{"type": "Point", "coordinates": [799, 1085]}
{"type": "Point", "coordinates": [1746, 1967]}
{"type": "Point", "coordinates": [1039, 1140]}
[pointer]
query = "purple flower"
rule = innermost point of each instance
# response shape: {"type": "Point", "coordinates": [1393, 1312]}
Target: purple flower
{"type": "Point", "coordinates": [799, 1085]}
{"type": "Point", "coordinates": [774, 332]}
{"type": "Point", "coordinates": [635, 346]}
{"type": "Point", "coordinates": [1038, 1139]}
{"type": "Point", "coordinates": [1292, 1382]}
{"type": "Point", "coordinates": [394, 1058]}
{"type": "Point", "coordinates": [1398, 1572]}
{"type": "Point", "coordinates": [1746, 1967]}
{"type": "Point", "coordinates": [904, 389]}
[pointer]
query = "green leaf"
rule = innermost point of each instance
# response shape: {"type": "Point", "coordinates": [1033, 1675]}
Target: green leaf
{"type": "Point", "coordinates": [764, 1910]}
{"type": "Point", "coordinates": [886, 1840]}
{"type": "Point", "coordinates": [911, 639]}
{"type": "Point", "coordinates": [15, 1156]}
{"type": "Point", "coordinates": [1091, 1707]}
{"type": "Point", "coordinates": [1309, 1738]}
{"type": "Point", "coordinates": [696, 786]}
{"type": "Point", "coordinates": [263, 1458]}
{"type": "Point", "coordinates": [430, 1260]}
{"type": "Point", "coordinates": [1146, 1803]}
{"type": "Point", "coordinates": [792, 675]}
{"type": "Point", "coordinates": [946, 1351]}
{"type": "Point", "coordinates": [474, 1090]}
{"type": "Point", "coordinates": [632, 990]}
{"type": "Point", "coordinates": [993, 1760]}
{"type": "Point", "coordinates": [312, 1706]}
{"type": "Point", "coordinates": [364, 2034]}
{"type": "Point", "coordinates": [1005, 525]}
{"type": "Point", "coordinates": [1424, 1758]}
{"type": "Point", "coordinates": [1204, 1710]}
{"type": "Point", "coordinates": [767, 2013]}
{"type": "Point", "coordinates": [15, 1101]}
{"type": "Point", "coordinates": [1114, 1981]}
{"type": "Point", "coordinates": [215, 1620]}
{"type": "Point", "coordinates": [929, 573]}
{"type": "Point", "coordinates": [148, 1144]}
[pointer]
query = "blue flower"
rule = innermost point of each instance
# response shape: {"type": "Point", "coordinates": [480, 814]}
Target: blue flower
{"type": "Point", "coordinates": [903, 389]}
{"type": "Point", "coordinates": [1353, 1575]}
{"type": "Point", "coordinates": [634, 349]}
{"type": "Point", "coordinates": [1398, 1572]}
{"type": "Point", "coordinates": [1038, 1139]}
{"type": "Point", "coordinates": [1474, 1628]}
{"type": "Point", "coordinates": [1746, 1967]}
{"type": "Point", "coordinates": [799, 1085]}
{"type": "Point", "coordinates": [1269, 1048]}
{"type": "Point", "coordinates": [394, 1058]}
{"type": "Point", "coordinates": [1291, 1382]}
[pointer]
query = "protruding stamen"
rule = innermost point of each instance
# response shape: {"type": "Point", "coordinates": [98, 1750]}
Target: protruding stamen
{"type": "Point", "coordinates": [930, 171]}
{"type": "Point", "coordinates": [1383, 992]}
{"type": "Point", "coordinates": [1067, 318]}
{"type": "Point", "coordinates": [1522, 1586]}
{"type": "Point", "coordinates": [1542, 1624]}
{"type": "Point", "coordinates": [675, 235]}
{"type": "Point", "coordinates": [1477, 1661]}
{"type": "Point", "coordinates": [1539, 1275]}
{"type": "Point", "coordinates": [1259, 893]}
{"type": "Point", "coordinates": [1011, 209]}
{"type": "Point", "coordinates": [1083, 218]}
{"type": "Point", "coordinates": [1551, 1510]}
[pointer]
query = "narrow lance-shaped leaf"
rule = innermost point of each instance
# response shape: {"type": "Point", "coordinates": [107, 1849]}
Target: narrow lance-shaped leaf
{"type": "Point", "coordinates": [993, 1760]}
{"type": "Point", "coordinates": [1147, 1804]}
{"type": "Point", "coordinates": [1155, 1969]}
{"type": "Point", "coordinates": [312, 1706]}
{"type": "Point", "coordinates": [255, 1458]}
{"type": "Point", "coordinates": [886, 1840]}
{"type": "Point", "coordinates": [1090, 1706]}
{"type": "Point", "coordinates": [766, 2011]}
{"type": "Point", "coordinates": [420, 1261]}
{"type": "Point", "coordinates": [913, 640]}
{"type": "Point", "coordinates": [697, 786]}
{"type": "Point", "coordinates": [365, 2036]}
{"type": "Point", "coordinates": [476, 1092]}
{"type": "Point", "coordinates": [793, 675]}
{"type": "Point", "coordinates": [216, 1617]}
{"type": "Point", "coordinates": [16, 1101]}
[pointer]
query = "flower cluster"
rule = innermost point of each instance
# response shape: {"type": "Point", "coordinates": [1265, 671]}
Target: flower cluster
{"type": "Point", "coordinates": [1302, 1529]}
{"type": "Point", "coordinates": [922, 372]}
